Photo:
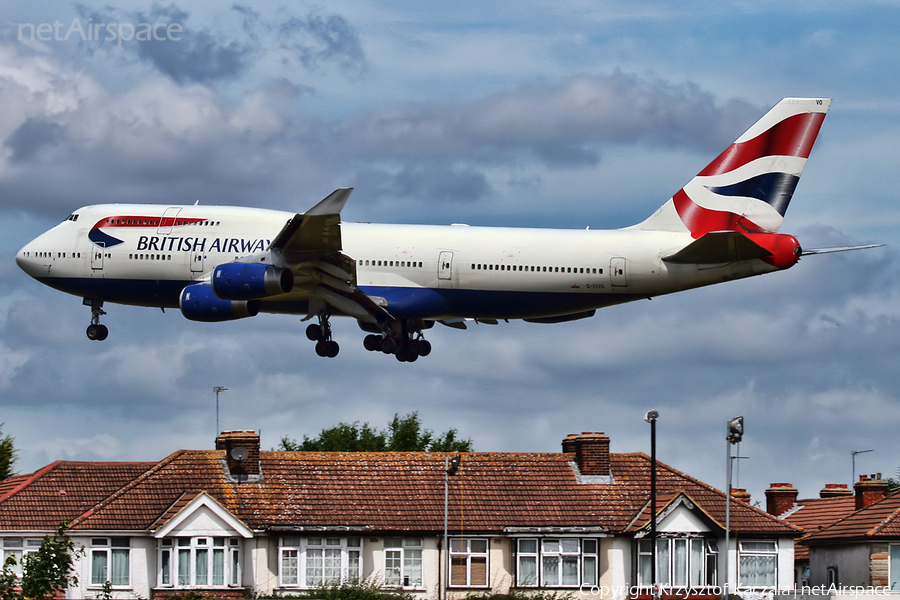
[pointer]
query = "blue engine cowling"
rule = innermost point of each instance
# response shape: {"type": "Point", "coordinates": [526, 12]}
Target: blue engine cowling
{"type": "Point", "coordinates": [199, 303]}
{"type": "Point", "coordinates": [242, 281]}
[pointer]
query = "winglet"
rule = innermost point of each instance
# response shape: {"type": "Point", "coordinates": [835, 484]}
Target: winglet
{"type": "Point", "coordinates": [333, 204]}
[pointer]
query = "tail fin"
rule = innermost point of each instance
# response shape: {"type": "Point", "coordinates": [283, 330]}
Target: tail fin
{"type": "Point", "coordinates": [748, 187]}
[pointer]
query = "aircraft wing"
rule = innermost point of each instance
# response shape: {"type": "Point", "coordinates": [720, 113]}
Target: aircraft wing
{"type": "Point", "coordinates": [315, 233]}
{"type": "Point", "coordinates": [310, 246]}
{"type": "Point", "coordinates": [718, 247]}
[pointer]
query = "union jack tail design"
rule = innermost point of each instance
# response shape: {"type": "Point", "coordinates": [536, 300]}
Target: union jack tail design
{"type": "Point", "coordinates": [748, 187]}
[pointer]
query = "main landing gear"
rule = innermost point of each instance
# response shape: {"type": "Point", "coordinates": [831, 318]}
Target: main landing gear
{"type": "Point", "coordinates": [404, 342]}
{"type": "Point", "coordinates": [321, 335]}
{"type": "Point", "coordinates": [95, 330]}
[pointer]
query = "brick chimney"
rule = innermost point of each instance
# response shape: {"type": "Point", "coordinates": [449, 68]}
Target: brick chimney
{"type": "Point", "coordinates": [835, 490]}
{"type": "Point", "coordinates": [241, 453]}
{"type": "Point", "coordinates": [740, 494]}
{"type": "Point", "coordinates": [591, 452]}
{"type": "Point", "coordinates": [869, 489]}
{"type": "Point", "coordinates": [780, 498]}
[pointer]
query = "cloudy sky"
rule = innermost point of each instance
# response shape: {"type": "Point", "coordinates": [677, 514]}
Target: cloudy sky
{"type": "Point", "coordinates": [529, 113]}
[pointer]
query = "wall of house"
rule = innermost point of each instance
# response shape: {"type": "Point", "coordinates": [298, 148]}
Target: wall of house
{"type": "Point", "coordinates": [142, 565]}
{"type": "Point", "coordinates": [786, 572]}
{"type": "Point", "coordinates": [852, 561]}
{"type": "Point", "coordinates": [500, 564]}
{"type": "Point", "coordinates": [879, 565]}
{"type": "Point", "coordinates": [615, 563]}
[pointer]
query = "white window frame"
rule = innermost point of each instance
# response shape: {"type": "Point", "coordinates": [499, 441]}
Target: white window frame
{"type": "Point", "coordinates": [19, 547]}
{"type": "Point", "coordinates": [681, 562]}
{"type": "Point", "coordinates": [550, 559]}
{"type": "Point", "coordinates": [464, 552]}
{"type": "Point", "coordinates": [112, 550]}
{"type": "Point", "coordinates": [192, 556]}
{"type": "Point", "coordinates": [403, 556]}
{"type": "Point", "coordinates": [894, 567]}
{"type": "Point", "coordinates": [747, 552]}
{"type": "Point", "coordinates": [303, 562]}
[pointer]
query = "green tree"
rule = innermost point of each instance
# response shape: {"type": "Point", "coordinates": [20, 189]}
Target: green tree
{"type": "Point", "coordinates": [403, 434]}
{"type": "Point", "coordinates": [46, 573]}
{"type": "Point", "coordinates": [7, 455]}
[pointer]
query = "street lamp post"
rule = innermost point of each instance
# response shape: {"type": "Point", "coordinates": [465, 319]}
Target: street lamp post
{"type": "Point", "coordinates": [451, 466]}
{"type": "Point", "coordinates": [735, 431]}
{"type": "Point", "coordinates": [218, 389]}
{"type": "Point", "coordinates": [651, 418]}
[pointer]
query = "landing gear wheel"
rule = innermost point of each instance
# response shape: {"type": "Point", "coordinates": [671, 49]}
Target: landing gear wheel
{"type": "Point", "coordinates": [406, 354]}
{"type": "Point", "coordinates": [314, 332]}
{"type": "Point", "coordinates": [97, 332]}
{"type": "Point", "coordinates": [424, 347]}
{"type": "Point", "coordinates": [327, 348]}
{"type": "Point", "coordinates": [389, 345]}
{"type": "Point", "coordinates": [372, 342]}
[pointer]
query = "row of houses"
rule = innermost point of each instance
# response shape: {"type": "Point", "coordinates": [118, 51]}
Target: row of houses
{"type": "Point", "coordinates": [237, 521]}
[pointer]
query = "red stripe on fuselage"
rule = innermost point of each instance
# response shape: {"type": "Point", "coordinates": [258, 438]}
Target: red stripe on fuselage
{"type": "Point", "coordinates": [144, 221]}
{"type": "Point", "coordinates": [794, 136]}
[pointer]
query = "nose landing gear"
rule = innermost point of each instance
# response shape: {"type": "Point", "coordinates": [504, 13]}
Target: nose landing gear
{"type": "Point", "coordinates": [96, 331]}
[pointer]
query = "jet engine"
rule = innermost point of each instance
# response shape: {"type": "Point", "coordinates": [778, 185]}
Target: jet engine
{"type": "Point", "coordinates": [200, 303]}
{"type": "Point", "coordinates": [243, 281]}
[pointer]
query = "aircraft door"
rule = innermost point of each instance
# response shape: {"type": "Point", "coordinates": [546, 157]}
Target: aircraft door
{"type": "Point", "coordinates": [196, 262]}
{"type": "Point", "coordinates": [167, 221]}
{"type": "Point", "coordinates": [617, 275]}
{"type": "Point", "coordinates": [445, 265]}
{"type": "Point", "coordinates": [97, 251]}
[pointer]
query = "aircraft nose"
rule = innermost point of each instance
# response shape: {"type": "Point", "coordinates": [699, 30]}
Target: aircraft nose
{"type": "Point", "coordinates": [26, 258]}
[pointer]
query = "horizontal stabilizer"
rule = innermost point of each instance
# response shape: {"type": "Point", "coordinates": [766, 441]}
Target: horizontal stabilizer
{"type": "Point", "coordinates": [718, 247]}
{"type": "Point", "coordinates": [564, 318]}
{"type": "Point", "coordinates": [839, 249]}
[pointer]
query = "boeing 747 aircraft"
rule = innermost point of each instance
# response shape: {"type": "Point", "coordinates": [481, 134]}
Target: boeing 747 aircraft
{"type": "Point", "coordinates": [218, 263]}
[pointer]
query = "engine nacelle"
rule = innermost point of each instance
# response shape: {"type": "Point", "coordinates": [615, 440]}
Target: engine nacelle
{"type": "Point", "coordinates": [243, 281]}
{"type": "Point", "coordinates": [200, 303]}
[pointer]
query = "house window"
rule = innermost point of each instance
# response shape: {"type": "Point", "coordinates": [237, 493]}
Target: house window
{"type": "Point", "coordinates": [680, 562]}
{"type": "Point", "coordinates": [188, 562]}
{"type": "Point", "coordinates": [894, 567]}
{"type": "Point", "coordinates": [18, 548]}
{"type": "Point", "coordinates": [556, 562]}
{"type": "Point", "coordinates": [317, 561]}
{"type": "Point", "coordinates": [110, 561]}
{"type": "Point", "coordinates": [403, 562]}
{"type": "Point", "coordinates": [758, 563]}
{"type": "Point", "coordinates": [468, 562]}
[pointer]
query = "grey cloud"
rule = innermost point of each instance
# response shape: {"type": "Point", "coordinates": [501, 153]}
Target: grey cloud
{"type": "Point", "coordinates": [318, 39]}
{"type": "Point", "coordinates": [437, 183]}
{"type": "Point", "coordinates": [31, 137]}
{"type": "Point", "coordinates": [563, 124]}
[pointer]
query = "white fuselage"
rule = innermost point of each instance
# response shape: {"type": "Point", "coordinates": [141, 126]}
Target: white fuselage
{"type": "Point", "coordinates": [146, 254]}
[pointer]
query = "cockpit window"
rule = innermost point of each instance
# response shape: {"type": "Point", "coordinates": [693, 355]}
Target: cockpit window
{"type": "Point", "coordinates": [72, 217]}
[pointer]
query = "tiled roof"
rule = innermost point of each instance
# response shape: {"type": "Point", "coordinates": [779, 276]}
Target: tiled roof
{"type": "Point", "coordinates": [405, 492]}
{"type": "Point", "coordinates": [60, 492]}
{"type": "Point", "coordinates": [671, 483]}
{"type": "Point", "coordinates": [879, 520]}
{"type": "Point", "coordinates": [813, 514]}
